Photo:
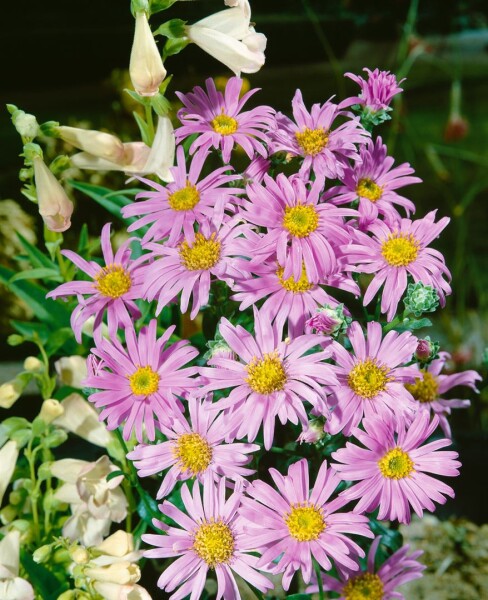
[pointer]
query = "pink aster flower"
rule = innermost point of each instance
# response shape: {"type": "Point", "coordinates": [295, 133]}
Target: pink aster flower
{"type": "Point", "coordinates": [372, 378]}
{"type": "Point", "coordinates": [392, 469]}
{"type": "Point", "coordinates": [142, 382]}
{"type": "Point", "coordinates": [176, 207]}
{"type": "Point", "coordinates": [293, 525]}
{"type": "Point", "coordinates": [194, 449]}
{"type": "Point", "coordinates": [374, 182]}
{"type": "Point", "coordinates": [378, 91]}
{"type": "Point", "coordinates": [287, 301]}
{"type": "Point", "coordinates": [113, 288]}
{"type": "Point", "coordinates": [209, 536]}
{"type": "Point", "coordinates": [218, 119]}
{"type": "Point", "coordinates": [273, 378]}
{"type": "Point", "coordinates": [191, 265]}
{"type": "Point", "coordinates": [431, 384]}
{"type": "Point", "coordinates": [396, 251]}
{"type": "Point", "coordinates": [373, 583]}
{"type": "Point", "coordinates": [326, 151]}
{"type": "Point", "coordinates": [301, 232]}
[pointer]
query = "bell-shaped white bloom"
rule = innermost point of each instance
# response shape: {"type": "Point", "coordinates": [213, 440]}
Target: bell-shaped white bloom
{"type": "Point", "coordinates": [10, 392]}
{"type": "Point", "coordinates": [94, 501]}
{"type": "Point", "coordinates": [79, 417]}
{"type": "Point", "coordinates": [98, 143]}
{"type": "Point", "coordinates": [146, 67]}
{"type": "Point", "coordinates": [51, 409]}
{"type": "Point", "coordinates": [115, 591]}
{"type": "Point", "coordinates": [139, 159]}
{"type": "Point", "coordinates": [229, 37]}
{"type": "Point", "coordinates": [12, 587]}
{"type": "Point", "coordinates": [71, 370]}
{"type": "Point", "coordinates": [55, 207]}
{"type": "Point", "coordinates": [8, 458]}
{"type": "Point", "coordinates": [117, 545]}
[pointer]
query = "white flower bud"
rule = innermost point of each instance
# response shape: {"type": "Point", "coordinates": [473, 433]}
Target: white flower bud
{"type": "Point", "coordinates": [51, 409]}
{"type": "Point", "coordinates": [122, 573]}
{"type": "Point", "coordinates": [98, 143]}
{"type": "Point", "coordinates": [113, 591]}
{"type": "Point", "coordinates": [146, 67]}
{"type": "Point", "coordinates": [118, 544]}
{"type": "Point", "coordinates": [79, 555]}
{"type": "Point", "coordinates": [10, 392]}
{"type": "Point", "coordinates": [25, 124]}
{"type": "Point", "coordinates": [71, 370]}
{"type": "Point", "coordinates": [33, 365]}
{"type": "Point", "coordinates": [54, 205]}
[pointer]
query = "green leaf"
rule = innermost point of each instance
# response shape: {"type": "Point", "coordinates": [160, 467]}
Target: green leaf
{"type": "Point", "coordinates": [114, 474]}
{"type": "Point", "coordinates": [36, 257]}
{"type": "Point", "coordinates": [34, 296]}
{"type": "Point", "coordinates": [144, 100]}
{"type": "Point", "coordinates": [83, 240]}
{"type": "Point", "coordinates": [57, 339]}
{"type": "Point", "coordinates": [111, 202]}
{"type": "Point", "coordinates": [147, 509]}
{"type": "Point", "coordinates": [173, 29]}
{"type": "Point", "coordinates": [143, 128]}
{"type": "Point", "coordinates": [31, 330]}
{"type": "Point", "coordinates": [175, 46]}
{"type": "Point", "coordinates": [41, 273]}
{"type": "Point", "coordinates": [159, 5]}
{"type": "Point", "coordinates": [299, 597]}
{"type": "Point", "coordinates": [160, 105]}
{"type": "Point", "coordinates": [53, 241]}
{"type": "Point", "coordinates": [47, 586]}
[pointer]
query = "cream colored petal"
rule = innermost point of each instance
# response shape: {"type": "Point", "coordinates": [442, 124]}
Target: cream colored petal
{"type": "Point", "coordinates": [82, 419]}
{"type": "Point", "coordinates": [8, 459]}
{"type": "Point", "coordinates": [9, 552]}
{"type": "Point", "coordinates": [16, 589]}
{"type": "Point", "coordinates": [114, 591]}
{"type": "Point", "coordinates": [118, 544]}
{"type": "Point", "coordinates": [232, 22]}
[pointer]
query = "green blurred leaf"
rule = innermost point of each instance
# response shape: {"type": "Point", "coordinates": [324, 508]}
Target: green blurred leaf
{"type": "Point", "coordinates": [173, 29]}
{"type": "Point", "coordinates": [159, 5]}
{"type": "Point", "coordinates": [34, 296]}
{"type": "Point", "coordinates": [57, 339]}
{"type": "Point", "coordinates": [36, 257]}
{"type": "Point", "coordinates": [111, 202]}
{"type": "Point", "coordinates": [41, 273]}
{"type": "Point", "coordinates": [143, 128]}
{"type": "Point", "coordinates": [175, 46]}
{"type": "Point", "coordinates": [47, 586]}
{"type": "Point", "coordinates": [31, 330]}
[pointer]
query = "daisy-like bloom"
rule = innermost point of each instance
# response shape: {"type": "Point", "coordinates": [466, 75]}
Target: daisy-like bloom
{"type": "Point", "coordinates": [396, 251]}
{"type": "Point", "coordinates": [113, 288]}
{"type": "Point", "coordinates": [190, 266]}
{"type": "Point", "coordinates": [372, 378]}
{"type": "Point", "coordinates": [378, 91]}
{"type": "Point", "coordinates": [374, 181]}
{"type": "Point", "coordinates": [431, 384]}
{"type": "Point", "coordinates": [287, 301]}
{"type": "Point", "coordinates": [219, 120]}
{"type": "Point", "coordinates": [273, 378]}
{"type": "Point", "coordinates": [193, 450]}
{"type": "Point", "coordinates": [141, 382]}
{"type": "Point", "coordinates": [301, 232]}
{"type": "Point", "coordinates": [372, 583]}
{"type": "Point", "coordinates": [209, 536]}
{"type": "Point", "coordinates": [392, 469]}
{"type": "Point", "coordinates": [326, 151]}
{"type": "Point", "coordinates": [295, 524]}
{"type": "Point", "coordinates": [176, 207]}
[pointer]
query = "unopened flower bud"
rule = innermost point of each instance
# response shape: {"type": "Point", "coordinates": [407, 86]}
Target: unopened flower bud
{"type": "Point", "coordinates": [42, 554]}
{"type": "Point", "coordinates": [329, 320]}
{"type": "Point", "coordinates": [426, 350]}
{"type": "Point", "coordinates": [118, 544]}
{"type": "Point", "coordinates": [218, 348]}
{"type": "Point", "coordinates": [146, 67]}
{"type": "Point", "coordinates": [70, 595]}
{"type": "Point", "coordinates": [79, 555]}
{"type": "Point", "coordinates": [313, 433]}
{"type": "Point", "coordinates": [420, 299]}
{"type": "Point", "coordinates": [33, 364]}
{"type": "Point", "coordinates": [10, 392]}
{"type": "Point", "coordinates": [51, 409]}
{"type": "Point", "coordinates": [25, 124]}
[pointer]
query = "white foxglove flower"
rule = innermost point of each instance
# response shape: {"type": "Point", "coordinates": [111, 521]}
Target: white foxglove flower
{"type": "Point", "coordinates": [98, 143]}
{"type": "Point", "coordinates": [229, 37]}
{"type": "Point", "coordinates": [146, 67]}
{"type": "Point", "coordinates": [50, 410]}
{"type": "Point", "coordinates": [71, 370]}
{"type": "Point", "coordinates": [55, 207]}
{"type": "Point", "coordinates": [115, 591]}
{"type": "Point", "coordinates": [12, 587]}
{"type": "Point", "coordinates": [79, 417]}
{"type": "Point", "coordinates": [8, 458]}
{"type": "Point", "coordinates": [139, 159]}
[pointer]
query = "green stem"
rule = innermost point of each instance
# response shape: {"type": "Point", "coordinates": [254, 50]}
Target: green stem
{"type": "Point", "coordinates": [318, 573]}
{"type": "Point", "coordinates": [150, 123]}
{"type": "Point", "coordinates": [31, 459]}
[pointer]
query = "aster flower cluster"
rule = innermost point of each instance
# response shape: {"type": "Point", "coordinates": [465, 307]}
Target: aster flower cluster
{"type": "Point", "coordinates": [277, 264]}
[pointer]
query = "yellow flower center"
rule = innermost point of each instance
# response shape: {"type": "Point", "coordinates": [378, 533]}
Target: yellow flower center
{"type": "Point", "coordinates": [363, 587]}
{"type": "Point", "coordinates": [290, 285]}
{"type": "Point", "coordinates": [184, 199]}
{"type": "Point", "coordinates": [214, 543]}
{"type": "Point", "coordinates": [425, 389]}
{"type": "Point", "coordinates": [144, 381]}
{"type": "Point", "coordinates": [396, 464]}
{"type": "Point", "coordinates": [312, 141]}
{"type": "Point", "coordinates": [113, 281]}
{"type": "Point", "coordinates": [399, 250]}
{"type": "Point", "coordinates": [367, 188]}
{"type": "Point", "coordinates": [300, 220]}
{"type": "Point", "coordinates": [203, 255]}
{"type": "Point", "coordinates": [193, 452]}
{"type": "Point", "coordinates": [304, 522]}
{"type": "Point", "coordinates": [367, 378]}
{"type": "Point", "coordinates": [266, 375]}
{"type": "Point", "coordinates": [224, 124]}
